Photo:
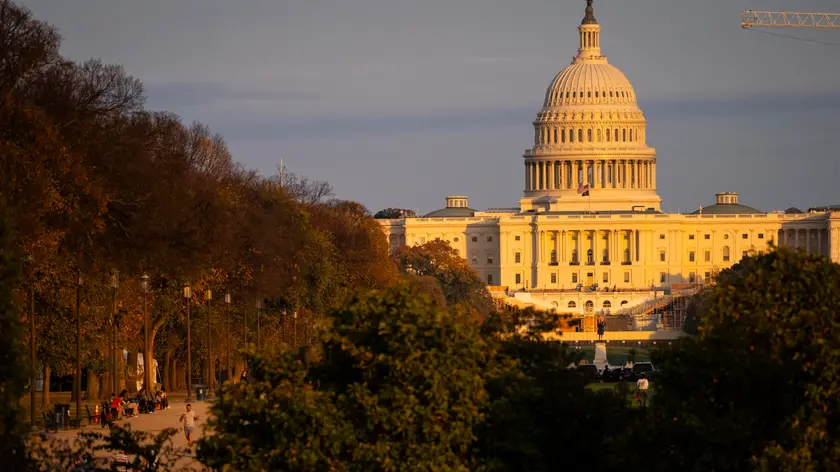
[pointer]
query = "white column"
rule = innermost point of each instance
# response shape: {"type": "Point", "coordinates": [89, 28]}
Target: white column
{"type": "Point", "coordinates": [527, 176]}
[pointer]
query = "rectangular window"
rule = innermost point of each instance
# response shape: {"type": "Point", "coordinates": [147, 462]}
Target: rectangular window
{"type": "Point", "coordinates": [489, 260]}
{"type": "Point", "coordinates": [474, 260]}
{"type": "Point", "coordinates": [489, 279]}
{"type": "Point", "coordinates": [606, 278]}
{"type": "Point", "coordinates": [760, 235]}
{"type": "Point", "coordinates": [662, 277]}
{"type": "Point", "coordinates": [627, 277]}
{"type": "Point", "coordinates": [475, 239]}
{"type": "Point", "coordinates": [661, 236]}
{"type": "Point", "coordinates": [661, 256]}
{"type": "Point", "coordinates": [517, 237]}
{"type": "Point", "coordinates": [691, 237]}
{"type": "Point", "coordinates": [518, 279]}
{"type": "Point", "coordinates": [707, 236]}
{"type": "Point", "coordinates": [707, 277]}
{"type": "Point", "coordinates": [574, 278]}
{"type": "Point", "coordinates": [745, 236]}
{"type": "Point", "coordinates": [691, 277]}
{"type": "Point", "coordinates": [489, 239]}
{"type": "Point", "coordinates": [553, 278]}
{"type": "Point", "coordinates": [517, 258]}
{"type": "Point", "coordinates": [708, 256]}
{"type": "Point", "coordinates": [691, 256]}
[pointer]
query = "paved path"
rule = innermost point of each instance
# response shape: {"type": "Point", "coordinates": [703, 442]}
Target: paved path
{"type": "Point", "coordinates": [157, 422]}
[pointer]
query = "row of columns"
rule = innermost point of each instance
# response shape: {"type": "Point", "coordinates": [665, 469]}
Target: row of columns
{"type": "Point", "coordinates": [793, 238]}
{"type": "Point", "coordinates": [613, 173]}
{"type": "Point", "coordinates": [548, 135]}
{"type": "Point", "coordinates": [574, 245]}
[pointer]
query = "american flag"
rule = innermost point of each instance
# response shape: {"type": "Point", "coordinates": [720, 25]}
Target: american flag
{"type": "Point", "coordinates": [583, 190]}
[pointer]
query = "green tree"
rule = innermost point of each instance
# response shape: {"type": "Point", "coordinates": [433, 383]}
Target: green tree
{"type": "Point", "coordinates": [399, 388]}
{"type": "Point", "coordinates": [758, 387]}
{"type": "Point", "coordinates": [13, 365]}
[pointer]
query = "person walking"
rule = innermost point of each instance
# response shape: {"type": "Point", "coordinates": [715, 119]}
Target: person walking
{"type": "Point", "coordinates": [188, 418]}
{"type": "Point", "coordinates": [642, 385]}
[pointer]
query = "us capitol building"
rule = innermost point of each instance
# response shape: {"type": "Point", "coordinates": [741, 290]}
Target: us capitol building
{"type": "Point", "coordinates": [589, 235]}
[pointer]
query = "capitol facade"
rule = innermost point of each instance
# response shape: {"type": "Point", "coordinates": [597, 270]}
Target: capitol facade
{"type": "Point", "coordinates": [589, 235]}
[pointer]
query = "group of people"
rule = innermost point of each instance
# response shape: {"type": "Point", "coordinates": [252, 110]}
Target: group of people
{"type": "Point", "coordinates": [123, 406]}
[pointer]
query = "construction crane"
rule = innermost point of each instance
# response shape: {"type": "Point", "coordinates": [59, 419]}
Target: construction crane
{"type": "Point", "coordinates": [789, 19]}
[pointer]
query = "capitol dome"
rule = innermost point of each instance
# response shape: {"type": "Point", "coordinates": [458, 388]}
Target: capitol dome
{"type": "Point", "coordinates": [590, 134]}
{"type": "Point", "coordinates": [587, 83]}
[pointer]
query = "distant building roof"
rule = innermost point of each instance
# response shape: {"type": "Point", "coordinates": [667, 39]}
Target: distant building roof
{"type": "Point", "coordinates": [456, 207]}
{"type": "Point", "coordinates": [726, 203]}
{"type": "Point", "coordinates": [794, 211]}
{"type": "Point", "coordinates": [824, 208]}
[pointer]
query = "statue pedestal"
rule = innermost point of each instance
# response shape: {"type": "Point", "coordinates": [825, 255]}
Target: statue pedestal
{"type": "Point", "coordinates": [600, 355]}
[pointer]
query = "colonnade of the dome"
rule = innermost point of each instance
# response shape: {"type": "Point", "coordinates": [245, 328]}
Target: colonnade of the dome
{"type": "Point", "coordinates": [568, 174]}
{"type": "Point", "coordinates": [552, 135]}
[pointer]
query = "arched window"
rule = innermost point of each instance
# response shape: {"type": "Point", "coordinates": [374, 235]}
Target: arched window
{"type": "Point", "coordinates": [589, 306]}
{"type": "Point", "coordinates": [572, 305]}
{"type": "Point", "coordinates": [554, 135]}
{"type": "Point", "coordinates": [562, 135]}
{"type": "Point", "coordinates": [599, 135]}
{"type": "Point", "coordinates": [588, 94]}
{"type": "Point", "coordinates": [624, 135]}
{"type": "Point", "coordinates": [580, 135]}
{"type": "Point", "coordinates": [607, 304]}
{"type": "Point", "coordinates": [631, 135]}
{"type": "Point", "coordinates": [623, 302]}
{"type": "Point", "coordinates": [589, 135]}
{"type": "Point", "coordinates": [609, 136]}
{"type": "Point", "coordinates": [571, 135]}
{"type": "Point", "coordinates": [589, 256]}
{"type": "Point", "coordinates": [725, 253]}
{"type": "Point", "coordinates": [596, 94]}
{"type": "Point", "coordinates": [567, 94]}
{"type": "Point", "coordinates": [574, 94]}
{"type": "Point", "coordinates": [616, 135]}
{"type": "Point", "coordinates": [611, 94]}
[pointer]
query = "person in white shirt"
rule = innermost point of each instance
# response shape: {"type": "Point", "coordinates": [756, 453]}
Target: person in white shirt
{"type": "Point", "coordinates": [189, 417]}
{"type": "Point", "coordinates": [642, 385]}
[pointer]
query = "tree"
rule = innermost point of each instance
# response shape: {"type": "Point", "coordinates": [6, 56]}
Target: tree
{"type": "Point", "coordinates": [399, 387]}
{"type": "Point", "coordinates": [459, 282]}
{"type": "Point", "coordinates": [13, 365]}
{"type": "Point", "coordinates": [757, 387]}
{"type": "Point", "coordinates": [394, 213]}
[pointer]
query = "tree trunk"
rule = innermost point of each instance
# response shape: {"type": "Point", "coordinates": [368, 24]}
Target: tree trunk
{"type": "Point", "coordinates": [239, 368]}
{"type": "Point", "coordinates": [180, 376]}
{"type": "Point", "coordinates": [131, 372]}
{"type": "Point", "coordinates": [93, 390]}
{"type": "Point", "coordinates": [148, 364]}
{"type": "Point", "coordinates": [166, 360]}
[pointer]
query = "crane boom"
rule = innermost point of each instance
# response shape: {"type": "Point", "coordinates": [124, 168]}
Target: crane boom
{"type": "Point", "coordinates": [789, 19]}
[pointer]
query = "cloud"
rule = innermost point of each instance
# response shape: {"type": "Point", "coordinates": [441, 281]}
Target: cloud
{"type": "Point", "coordinates": [189, 94]}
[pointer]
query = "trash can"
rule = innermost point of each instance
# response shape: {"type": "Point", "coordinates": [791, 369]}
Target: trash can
{"type": "Point", "coordinates": [200, 393]}
{"type": "Point", "coordinates": [62, 411]}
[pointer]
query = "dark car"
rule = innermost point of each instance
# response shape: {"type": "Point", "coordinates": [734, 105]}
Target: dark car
{"type": "Point", "coordinates": [641, 369]}
{"type": "Point", "coordinates": [612, 375]}
{"type": "Point", "coordinates": [589, 372]}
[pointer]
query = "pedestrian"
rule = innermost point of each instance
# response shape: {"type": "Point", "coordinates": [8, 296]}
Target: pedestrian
{"type": "Point", "coordinates": [642, 385]}
{"type": "Point", "coordinates": [189, 417]}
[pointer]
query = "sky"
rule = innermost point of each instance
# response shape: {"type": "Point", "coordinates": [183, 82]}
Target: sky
{"type": "Point", "coordinates": [399, 103]}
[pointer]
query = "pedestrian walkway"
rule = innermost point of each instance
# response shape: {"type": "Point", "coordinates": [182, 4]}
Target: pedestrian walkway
{"type": "Point", "coordinates": [156, 422]}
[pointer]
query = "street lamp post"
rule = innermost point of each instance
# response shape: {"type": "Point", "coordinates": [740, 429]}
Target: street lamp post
{"type": "Point", "coordinates": [115, 281]}
{"type": "Point", "coordinates": [187, 297]}
{"type": "Point", "coordinates": [77, 385]}
{"type": "Point", "coordinates": [227, 336]}
{"type": "Point", "coordinates": [258, 306]}
{"type": "Point", "coordinates": [210, 371]}
{"type": "Point", "coordinates": [32, 357]}
{"type": "Point", "coordinates": [147, 331]}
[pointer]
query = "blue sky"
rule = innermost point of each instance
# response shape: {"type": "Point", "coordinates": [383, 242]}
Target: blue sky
{"type": "Point", "coordinates": [402, 102]}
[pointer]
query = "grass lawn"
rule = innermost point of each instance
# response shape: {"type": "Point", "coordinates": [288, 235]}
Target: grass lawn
{"type": "Point", "coordinates": [616, 356]}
